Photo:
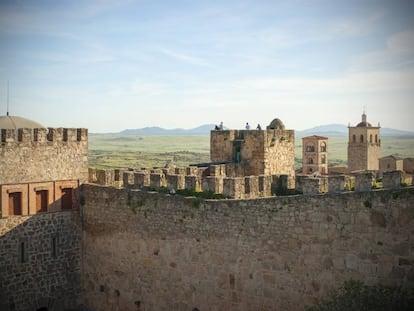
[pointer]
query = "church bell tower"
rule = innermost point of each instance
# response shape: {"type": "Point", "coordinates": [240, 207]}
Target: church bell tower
{"type": "Point", "coordinates": [364, 146]}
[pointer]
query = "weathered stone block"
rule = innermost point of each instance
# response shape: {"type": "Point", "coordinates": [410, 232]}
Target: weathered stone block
{"type": "Point", "coordinates": [141, 179]}
{"type": "Point", "coordinates": [364, 181]}
{"type": "Point", "coordinates": [392, 179]}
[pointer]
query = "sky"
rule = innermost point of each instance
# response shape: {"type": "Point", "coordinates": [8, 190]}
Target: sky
{"type": "Point", "coordinates": [111, 65]}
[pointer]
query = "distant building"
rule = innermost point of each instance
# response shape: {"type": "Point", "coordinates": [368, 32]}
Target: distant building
{"type": "Point", "coordinates": [255, 152]}
{"type": "Point", "coordinates": [390, 163]}
{"type": "Point", "coordinates": [364, 146]}
{"type": "Point", "coordinates": [314, 154]}
{"type": "Point", "coordinates": [408, 165]}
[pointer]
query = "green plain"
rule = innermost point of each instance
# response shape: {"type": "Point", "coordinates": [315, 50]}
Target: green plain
{"type": "Point", "coordinates": [135, 151]}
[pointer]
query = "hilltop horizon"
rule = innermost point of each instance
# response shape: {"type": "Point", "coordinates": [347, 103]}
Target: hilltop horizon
{"type": "Point", "coordinates": [333, 129]}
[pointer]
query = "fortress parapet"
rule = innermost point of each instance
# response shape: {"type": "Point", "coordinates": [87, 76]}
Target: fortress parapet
{"type": "Point", "coordinates": [42, 135]}
{"type": "Point", "coordinates": [40, 154]}
{"type": "Point", "coordinates": [364, 181]}
{"type": "Point", "coordinates": [241, 187]}
{"type": "Point", "coordinates": [392, 179]}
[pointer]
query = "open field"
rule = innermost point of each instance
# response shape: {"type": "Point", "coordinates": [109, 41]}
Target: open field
{"type": "Point", "coordinates": [134, 151]}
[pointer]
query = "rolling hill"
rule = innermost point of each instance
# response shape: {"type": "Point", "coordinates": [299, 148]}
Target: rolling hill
{"type": "Point", "coordinates": [323, 130]}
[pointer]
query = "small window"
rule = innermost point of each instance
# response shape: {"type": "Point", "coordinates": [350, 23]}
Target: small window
{"type": "Point", "coordinates": [65, 134]}
{"type": "Point", "coordinates": [35, 134]}
{"type": "Point", "coordinates": [54, 245]}
{"type": "Point", "coordinates": [323, 147]}
{"type": "Point", "coordinates": [361, 138]}
{"type": "Point", "coordinates": [22, 251]}
{"type": "Point", "coordinates": [310, 161]}
{"type": "Point", "coordinates": [370, 138]}
{"type": "Point", "coordinates": [376, 138]}
{"type": "Point", "coordinates": [41, 201]}
{"type": "Point", "coordinates": [310, 148]}
{"type": "Point", "coordinates": [353, 138]}
{"type": "Point", "coordinates": [323, 159]}
{"type": "Point", "coordinates": [15, 203]}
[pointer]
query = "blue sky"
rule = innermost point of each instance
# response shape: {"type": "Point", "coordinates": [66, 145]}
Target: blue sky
{"type": "Point", "coordinates": [116, 64]}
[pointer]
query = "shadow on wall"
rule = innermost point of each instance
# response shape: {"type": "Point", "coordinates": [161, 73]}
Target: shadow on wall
{"type": "Point", "coordinates": [41, 261]}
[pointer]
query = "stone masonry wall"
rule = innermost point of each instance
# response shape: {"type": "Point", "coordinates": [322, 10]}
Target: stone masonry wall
{"type": "Point", "coordinates": [40, 262]}
{"type": "Point", "coordinates": [36, 155]}
{"type": "Point", "coordinates": [150, 251]}
{"type": "Point", "coordinates": [262, 152]}
{"type": "Point", "coordinates": [279, 153]}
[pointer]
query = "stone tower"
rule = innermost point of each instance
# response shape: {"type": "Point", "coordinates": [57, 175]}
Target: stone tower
{"type": "Point", "coordinates": [41, 170]}
{"type": "Point", "coordinates": [364, 146]}
{"type": "Point", "coordinates": [314, 154]}
{"type": "Point", "coordinates": [256, 152]}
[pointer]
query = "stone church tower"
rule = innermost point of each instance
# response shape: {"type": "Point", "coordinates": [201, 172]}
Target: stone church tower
{"type": "Point", "coordinates": [364, 146]}
{"type": "Point", "coordinates": [314, 154]}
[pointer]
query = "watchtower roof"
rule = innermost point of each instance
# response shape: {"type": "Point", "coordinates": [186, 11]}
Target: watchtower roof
{"type": "Point", "coordinates": [15, 122]}
{"type": "Point", "coordinates": [276, 124]}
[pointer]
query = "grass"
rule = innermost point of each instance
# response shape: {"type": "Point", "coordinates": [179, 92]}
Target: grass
{"type": "Point", "coordinates": [134, 151]}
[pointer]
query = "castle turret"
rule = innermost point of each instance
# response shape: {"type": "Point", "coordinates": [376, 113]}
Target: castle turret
{"type": "Point", "coordinates": [257, 152]}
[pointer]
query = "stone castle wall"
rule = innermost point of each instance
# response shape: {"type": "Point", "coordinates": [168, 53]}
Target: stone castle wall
{"type": "Point", "coordinates": [40, 262]}
{"type": "Point", "coordinates": [151, 251]}
{"type": "Point", "coordinates": [35, 155]}
{"type": "Point", "coordinates": [215, 179]}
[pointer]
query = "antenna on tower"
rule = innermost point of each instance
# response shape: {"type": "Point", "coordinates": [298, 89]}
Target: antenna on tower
{"type": "Point", "coordinates": [365, 109]}
{"type": "Point", "coordinates": [7, 98]}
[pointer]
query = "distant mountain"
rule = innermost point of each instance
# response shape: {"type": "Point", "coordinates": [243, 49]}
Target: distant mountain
{"type": "Point", "coordinates": [342, 130]}
{"type": "Point", "coordinates": [325, 130]}
{"type": "Point", "coordinates": [322, 130]}
{"type": "Point", "coordinates": [200, 130]}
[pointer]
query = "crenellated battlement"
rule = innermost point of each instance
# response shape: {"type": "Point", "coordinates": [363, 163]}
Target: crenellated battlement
{"type": "Point", "coordinates": [42, 135]}
{"type": "Point", "coordinates": [214, 179]}
{"type": "Point", "coordinates": [41, 154]}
